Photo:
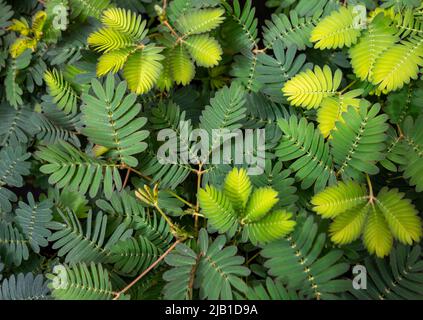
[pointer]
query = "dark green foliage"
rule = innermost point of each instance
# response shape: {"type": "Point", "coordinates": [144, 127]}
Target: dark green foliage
{"type": "Point", "coordinates": [210, 149]}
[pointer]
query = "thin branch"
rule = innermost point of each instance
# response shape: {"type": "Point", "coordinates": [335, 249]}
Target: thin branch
{"type": "Point", "coordinates": [347, 87]}
{"type": "Point", "coordinates": [189, 204]}
{"type": "Point", "coordinates": [192, 276]}
{"type": "Point", "coordinates": [128, 171]}
{"type": "Point", "coordinates": [197, 206]}
{"type": "Point", "coordinates": [154, 264]}
{"type": "Point", "coordinates": [400, 132]}
{"type": "Point", "coordinates": [137, 172]}
{"type": "Point", "coordinates": [166, 23]}
{"type": "Point", "coordinates": [371, 194]}
{"type": "Point", "coordinates": [169, 222]}
{"type": "Point", "coordinates": [252, 258]}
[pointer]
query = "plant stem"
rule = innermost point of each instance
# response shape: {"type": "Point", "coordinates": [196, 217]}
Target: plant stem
{"type": "Point", "coordinates": [124, 166]}
{"type": "Point", "coordinates": [371, 194]}
{"type": "Point", "coordinates": [155, 263]}
{"type": "Point", "coordinates": [170, 223]}
{"type": "Point", "coordinates": [166, 23]}
{"type": "Point", "coordinates": [181, 199]}
{"type": "Point", "coordinates": [126, 178]}
{"type": "Point", "coordinates": [347, 87]}
{"type": "Point", "coordinates": [197, 206]}
{"type": "Point", "coordinates": [252, 258]}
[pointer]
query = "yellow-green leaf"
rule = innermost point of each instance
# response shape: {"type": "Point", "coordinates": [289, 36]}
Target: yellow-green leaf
{"type": "Point", "coordinates": [205, 50]}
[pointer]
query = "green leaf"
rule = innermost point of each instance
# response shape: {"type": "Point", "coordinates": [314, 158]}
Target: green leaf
{"type": "Point", "coordinates": [398, 278]}
{"type": "Point", "coordinates": [401, 216]}
{"type": "Point", "coordinates": [336, 30]}
{"type": "Point", "coordinates": [204, 49]}
{"type": "Point", "coordinates": [304, 144]}
{"type": "Point", "coordinates": [271, 227]}
{"type": "Point", "coordinates": [238, 188]}
{"type": "Point", "coordinates": [260, 203]}
{"type": "Point", "coordinates": [358, 141]}
{"type": "Point", "coordinates": [220, 269]}
{"type": "Point", "coordinates": [13, 245]}
{"type": "Point", "coordinates": [143, 68]}
{"type": "Point", "coordinates": [183, 70]}
{"type": "Point", "coordinates": [24, 287]}
{"type": "Point", "coordinates": [308, 89]}
{"type": "Point", "coordinates": [84, 282]}
{"type": "Point", "coordinates": [34, 219]}
{"type": "Point", "coordinates": [377, 237]}
{"type": "Point", "coordinates": [91, 246]}
{"type": "Point", "coordinates": [300, 263]}
{"type": "Point", "coordinates": [200, 21]}
{"type": "Point", "coordinates": [217, 207]}
{"type": "Point", "coordinates": [337, 199]}
{"type": "Point", "coordinates": [126, 22]}
{"type": "Point", "coordinates": [13, 166]}
{"type": "Point", "coordinates": [348, 226]}
{"type": "Point", "coordinates": [61, 91]}
{"type": "Point", "coordinates": [67, 166]}
{"type": "Point", "coordinates": [111, 120]}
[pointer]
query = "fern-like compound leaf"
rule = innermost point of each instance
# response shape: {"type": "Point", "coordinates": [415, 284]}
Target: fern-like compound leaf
{"type": "Point", "coordinates": [238, 188]}
{"type": "Point", "coordinates": [348, 226]}
{"type": "Point", "coordinates": [270, 290]}
{"type": "Point", "coordinates": [220, 269]}
{"type": "Point", "coordinates": [358, 141]}
{"type": "Point", "coordinates": [401, 216]}
{"type": "Point", "coordinates": [398, 65]}
{"type": "Point", "coordinates": [134, 255]}
{"type": "Point", "coordinates": [332, 108]}
{"type": "Point", "coordinates": [307, 89]}
{"type": "Point", "coordinates": [201, 21]}
{"type": "Point", "coordinates": [64, 95]}
{"type": "Point", "coordinates": [217, 207]}
{"type": "Point", "coordinates": [380, 219]}
{"type": "Point", "coordinates": [273, 72]}
{"type": "Point", "coordinates": [107, 39]}
{"type": "Point", "coordinates": [304, 144]}
{"type": "Point", "coordinates": [82, 9]}
{"type": "Point", "coordinates": [379, 36]}
{"type": "Point", "coordinates": [83, 282]}
{"type": "Point", "coordinates": [376, 235]}
{"type": "Point", "coordinates": [182, 67]}
{"type": "Point", "coordinates": [13, 166]}
{"type": "Point", "coordinates": [271, 227]}
{"type": "Point", "coordinates": [24, 287]}
{"type": "Point", "coordinates": [180, 278]}
{"type": "Point", "coordinates": [13, 245]}
{"type": "Point", "coordinates": [292, 29]}
{"type": "Point", "coordinates": [234, 207]}
{"type": "Point", "coordinates": [260, 203]}
{"type": "Point", "coordinates": [126, 22]}
{"type": "Point", "coordinates": [113, 61]}
{"type": "Point", "coordinates": [204, 50]}
{"type": "Point", "coordinates": [67, 166]}
{"type": "Point", "coordinates": [34, 219]}
{"type": "Point", "coordinates": [241, 26]}
{"type": "Point", "coordinates": [142, 69]}
{"type": "Point", "coordinates": [17, 125]}
{"type": "Point", "coordinates": [336, 30]}
{"type": "Point", "coordinates": [398, 277]}
{"type": "Point", "coordinates": [111, 120]}
{"type": "Point", "coordinates": [413, 166]}
{"type": "Point", "coordinates": [335, 200]}
{"type": "Point", "coordinates": [90, 246]}
{"type": "Point", "coordinates": [299, 262]}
